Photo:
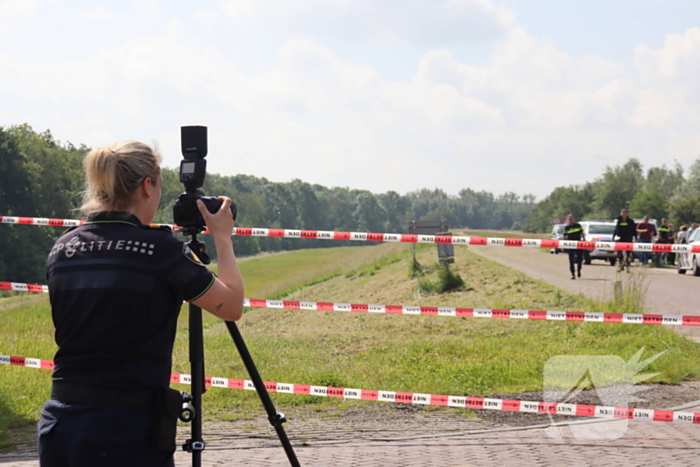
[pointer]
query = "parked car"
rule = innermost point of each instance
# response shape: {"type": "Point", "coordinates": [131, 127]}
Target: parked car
{"type": "Point", "coordinates": [690, 261]}
{"type": "Point", "coordinates": [599, 231]}
{"type": "Point", "coordinates": [557, 232]}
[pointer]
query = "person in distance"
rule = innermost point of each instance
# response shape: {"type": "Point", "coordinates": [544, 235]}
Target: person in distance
{"type": "Point", "coordinates": [116, 286]}
{"type": "Point", "coordinates": [665, 237]}
{"type": "Point", "coordinates": [574, 231]}
{"type": "Point", "coordinates": [625, 231]}
{"type": "Point", "coordinates": [646, 231]}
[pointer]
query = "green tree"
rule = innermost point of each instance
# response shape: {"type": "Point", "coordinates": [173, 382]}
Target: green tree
{"type": "Point", "coordinates": [368, 216]}
{"type": "Point", "coordinates": [686, 210]}
{"type": "Point", "coordinates": [39, 177]}
{"type": "Point", "coordinates": [617, 188]}
{"type": "Point", "coordinates": [396, 208]}
{"type": "Point", "coordinates": [663, 180]}
{"type": "Point", "coordinates": [691, 185]}
{"type": "Point", "coordinates": [576, 200]}
{"type": "Point", "coordinates": [650, 203]}
{"type": "Point", "coordinates": [476, 208]}
{"type": "Point", "coordinates": [309, 216]}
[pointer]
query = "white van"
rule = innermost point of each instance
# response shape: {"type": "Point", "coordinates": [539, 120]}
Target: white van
{"type": "Point", "coordinates": [599, 231]}
{"type": "Point", "coordinates": [557, 232]}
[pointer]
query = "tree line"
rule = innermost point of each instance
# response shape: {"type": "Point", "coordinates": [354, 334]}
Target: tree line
{"type": "Point", "coordinates": [660, 192]}
{"type": "Point", "coordinates": [42, 177]}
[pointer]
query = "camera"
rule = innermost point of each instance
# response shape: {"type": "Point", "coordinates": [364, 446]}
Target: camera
{"type": "Point", "coordinates": [193, 170]}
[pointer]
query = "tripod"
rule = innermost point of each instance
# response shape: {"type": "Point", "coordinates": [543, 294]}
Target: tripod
{"type": "Point", "coordinates": [195, 445]}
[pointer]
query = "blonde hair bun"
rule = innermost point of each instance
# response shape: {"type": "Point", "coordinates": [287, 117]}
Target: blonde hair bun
{"type": "Point", "coordinates": [113, 174]}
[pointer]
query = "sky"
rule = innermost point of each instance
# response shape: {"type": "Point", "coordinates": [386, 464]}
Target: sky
{"type": "Point", "coordinates": [496, 95]}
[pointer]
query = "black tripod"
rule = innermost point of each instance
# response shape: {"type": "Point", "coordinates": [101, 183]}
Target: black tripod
{"type": "Point", "coordinates": [196, 445]}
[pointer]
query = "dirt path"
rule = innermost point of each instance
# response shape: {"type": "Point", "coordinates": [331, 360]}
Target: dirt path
{"type": "Point", "coordinates": [667, 292]}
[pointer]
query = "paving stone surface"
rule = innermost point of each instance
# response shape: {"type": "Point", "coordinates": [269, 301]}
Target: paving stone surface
{"type": "Point", "coordinates": [640, 444]}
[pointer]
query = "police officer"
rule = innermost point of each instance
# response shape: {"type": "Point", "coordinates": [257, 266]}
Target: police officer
{"type": "Point", "coordinates": [574, 231]}
{"type": "Point", "coordinates": [116, 287]}
{"type": "Point", "coordinates": [626, 231]}
{"type": "Point", "coordinates": [663, 238]}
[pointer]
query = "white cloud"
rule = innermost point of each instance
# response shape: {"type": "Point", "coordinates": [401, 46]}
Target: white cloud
{"type": "Point", "coordinates": [669, 77]}
{"type": "Point", "coordinates": [150, 7]}
{"type": "Point", "coordinates": [675, 60]}
{"type": "Point", "coordinates": [530, 118]}
{"type": "Point", "coordinates": [389, 21]}
{"type": "Point", "coordinates": [17, 14]}
{"type": "Point", "coordinates": [95, 14]}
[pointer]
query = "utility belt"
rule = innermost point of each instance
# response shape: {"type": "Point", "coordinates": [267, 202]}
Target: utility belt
{"type": "Point", "coordinates": [166, 403]}
{"type": "Point", "coordinates": [76, 393]}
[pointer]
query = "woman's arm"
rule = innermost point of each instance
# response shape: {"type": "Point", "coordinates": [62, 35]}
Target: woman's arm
{"type": "Point", "coordinates": [224, 298]}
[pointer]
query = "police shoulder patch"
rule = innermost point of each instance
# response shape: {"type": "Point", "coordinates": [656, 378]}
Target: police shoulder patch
{"type": "Point", "coordinates": [68, 230]}
{"type": "Point", "coordinates": [165, 228]}
{"type": "Point", "coordinates": [189, 254]}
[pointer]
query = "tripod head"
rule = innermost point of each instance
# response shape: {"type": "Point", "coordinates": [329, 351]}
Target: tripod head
{"type": "Point", "coordinates": [199, 249]}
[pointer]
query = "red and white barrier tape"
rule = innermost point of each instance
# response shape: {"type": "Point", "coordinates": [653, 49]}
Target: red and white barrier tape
{"type": "Point", "coordinates": [407, 238]}
{"type": "Point", "coordinates": [580, 316]}
{"type": "Point", "coordinates": [477, 403]}
{"type": "Point", "coordinates": [20, 287]}
{"type": "Point", "coordinates": [622, 318]}
{"type": "Point", "coordinates": [40, 221]}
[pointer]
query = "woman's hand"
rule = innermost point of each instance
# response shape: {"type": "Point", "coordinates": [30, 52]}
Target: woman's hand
{"type": "Point", "coordinates": [221, 222]}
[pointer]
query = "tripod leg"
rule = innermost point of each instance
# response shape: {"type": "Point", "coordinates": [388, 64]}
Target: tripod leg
{"type": "Point", "coordinates": [276, 419]}
{"type": "Point", "coordinates": [195, 445]}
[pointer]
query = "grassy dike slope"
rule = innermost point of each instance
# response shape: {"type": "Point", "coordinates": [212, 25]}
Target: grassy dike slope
{"type": "Point", "coordinates": [426, 354]}
{"type": "Point", "coordinates": [26, 330]}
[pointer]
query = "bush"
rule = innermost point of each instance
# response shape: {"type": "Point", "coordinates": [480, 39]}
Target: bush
{"type": "Point", "coordinates": [446, 281]}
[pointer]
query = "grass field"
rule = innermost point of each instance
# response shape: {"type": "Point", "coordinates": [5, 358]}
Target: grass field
{"type": "Point", "coordinates": [425, 354]}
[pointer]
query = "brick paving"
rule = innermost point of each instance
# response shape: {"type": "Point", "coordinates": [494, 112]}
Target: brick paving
{"type": "Point", "coordinates": [641, 444]}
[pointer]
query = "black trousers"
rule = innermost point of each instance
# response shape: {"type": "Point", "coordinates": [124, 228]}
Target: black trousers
{"type": "Point", "coordinates": [72, 435]}
{"type": "Point", "coordinates": [575, 256]}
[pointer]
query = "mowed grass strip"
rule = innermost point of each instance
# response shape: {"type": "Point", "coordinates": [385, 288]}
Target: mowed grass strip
{"type": "Point", "coordinates": [428, 354]}
{"type": "Point", "coordinates": [26, 329]}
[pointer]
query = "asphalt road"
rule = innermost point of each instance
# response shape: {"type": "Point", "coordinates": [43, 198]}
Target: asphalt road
{"type": "Point", "coordinates": [667, 292]}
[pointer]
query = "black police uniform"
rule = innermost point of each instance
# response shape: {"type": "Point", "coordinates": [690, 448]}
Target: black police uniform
{"type": "Point", "coordinates": [116, 288]}
{"type": "Point", "coordinates": [574, 232]}
{"type": "Point", "coordinates": [665, 238]}
{"type": "Point", "coordinates": [626, 230]}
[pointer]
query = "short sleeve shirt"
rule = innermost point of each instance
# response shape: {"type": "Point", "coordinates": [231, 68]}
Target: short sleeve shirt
{"type": "Point", "coordinates": [650, 230]}
{"type": "Point", "coordinates": [116, 288]}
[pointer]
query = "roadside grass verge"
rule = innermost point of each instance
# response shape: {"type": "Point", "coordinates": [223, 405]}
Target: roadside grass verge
{"type": "Point", "coordinates": [424, 354]}
{"type": "Point", "coordinates": [499, 233]}
{"type": "Point", "coordinates": [428, 354]}
{"type": "Point", "coordinates": [26, 328]}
